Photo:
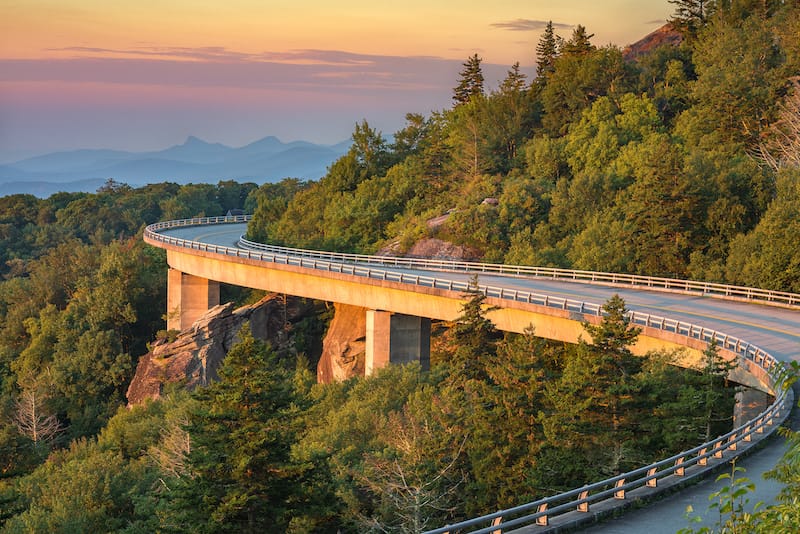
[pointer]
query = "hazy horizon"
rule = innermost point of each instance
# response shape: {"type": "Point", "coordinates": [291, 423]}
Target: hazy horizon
{"type": "Point", "coordinates": [89, 74]}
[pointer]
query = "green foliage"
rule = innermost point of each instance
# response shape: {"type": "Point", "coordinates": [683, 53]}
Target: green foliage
{"type": "Point", "coordinates": [633, 165]}
{"type": "Point", "coordinates": [85, 488]}
{"type": "Point", "coordinates": [242, 430]}
{"type": "Point", "coordinates": [765, 257]}
{"type": "Point", "coordinates": [691, 15]}
{"type": "Point", "coordinates": [731, 504]}
{"type": "Point", "coordinates": [577, 81]}
{"type": "Point", "coordinates": [267, 204]}
{"type": "Point", "coordinates": [474, 337]}
{"type": "Point", "coordinates": [547, 50]}
{"type": "Point", "coordinates": [738, 81]}
{"type": "Point", "coordinates": [470, 83]}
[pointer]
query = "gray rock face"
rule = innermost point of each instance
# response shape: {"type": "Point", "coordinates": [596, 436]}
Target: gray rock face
{"type": "Point", "coordinates": [344, 347]}
{"type": "Point", "coordinates": [194, 356]}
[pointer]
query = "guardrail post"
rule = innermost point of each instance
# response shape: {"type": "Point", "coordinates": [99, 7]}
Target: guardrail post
{"type": "Point", "coordinates": [732, 442]}
{"type": "Point", "coordinates": [681, 470]}
{"type": "Point", "coordinates": [497, 520]}
{"type": "Point", "coordinates": [584, 506]}
{"type": "Point", "coordinates": [542, 520]}
{"type": "Point", "coordinates": [718, 449]}
{"type": "Point", "coordinates": [703, 460]}
{"type": "Point", "coordinates": [652, 479]}
{"type": "Point", "coordinates": [620, 493]}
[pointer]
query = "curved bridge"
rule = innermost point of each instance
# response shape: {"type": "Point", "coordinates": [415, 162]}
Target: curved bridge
{"type": "Point", "coordinates": [402, 295]}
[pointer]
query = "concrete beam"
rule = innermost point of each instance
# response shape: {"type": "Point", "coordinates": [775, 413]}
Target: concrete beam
{"type": "Point", "coordinates": [188, 298]}
{"type": "Point", "coordinates": [435, 303]}
{"type": "Point", "coordinates": [394, 338]}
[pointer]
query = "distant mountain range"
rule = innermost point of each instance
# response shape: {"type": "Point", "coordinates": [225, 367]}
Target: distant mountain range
{"type": "Point", "coordinates": [196, 161]}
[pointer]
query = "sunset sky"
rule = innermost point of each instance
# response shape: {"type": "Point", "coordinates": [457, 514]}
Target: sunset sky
{"type": "Point", "coordinates": [144, 75]}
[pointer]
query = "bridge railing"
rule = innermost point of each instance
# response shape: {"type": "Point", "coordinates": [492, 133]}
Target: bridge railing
{"type": "Point", "coordinates": [542, 511]}
{"type": "Point", "coordinates": [652, 282]}
{"type": "Point", "coordinates": [674, 284]}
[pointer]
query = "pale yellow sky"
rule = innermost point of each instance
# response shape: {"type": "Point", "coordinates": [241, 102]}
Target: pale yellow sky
{"type": "Point", "coordinates": [447, 29]}
{"type": "Point", "coordinates": [144, 74]}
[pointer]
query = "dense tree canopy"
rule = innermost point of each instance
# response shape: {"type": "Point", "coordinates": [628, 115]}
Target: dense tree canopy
{"type": "Point", "coordinates": [680, 161]}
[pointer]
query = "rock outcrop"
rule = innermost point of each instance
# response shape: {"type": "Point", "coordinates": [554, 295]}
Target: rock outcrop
{"type": "Point", "coordinates": [344, 346]}
{"type": "Point", "coordinates": [666, 34]}
{"type": "Point", "coordinates": [433, 248]}
{"type": "Point", "coordinates": [194, 356]}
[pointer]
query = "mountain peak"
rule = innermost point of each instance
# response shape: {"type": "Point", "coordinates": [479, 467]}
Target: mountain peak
{"type": "Point", "coordinates": [666, 34]}
{"type": "Point", "coordinates": [192, 140]}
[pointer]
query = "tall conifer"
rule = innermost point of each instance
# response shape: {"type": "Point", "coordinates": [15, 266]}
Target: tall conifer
{"type": "Point", "coordinates": [546, 53]}
{"type": "Point", "coordinates": [471, 81]}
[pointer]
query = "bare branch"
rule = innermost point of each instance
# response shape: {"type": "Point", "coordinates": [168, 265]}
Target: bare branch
{"type": "Point", "coordinates": [31, 419]}
{"type": "Point", "coordinates": [781, 148]}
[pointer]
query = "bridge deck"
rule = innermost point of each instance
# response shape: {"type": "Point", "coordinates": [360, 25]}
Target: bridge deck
{"type": "Point", "coordinates": [775, 329]}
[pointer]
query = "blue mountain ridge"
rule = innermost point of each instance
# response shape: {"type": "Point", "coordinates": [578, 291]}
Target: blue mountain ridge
{"type": "Point", "coordinates": [262, 161]}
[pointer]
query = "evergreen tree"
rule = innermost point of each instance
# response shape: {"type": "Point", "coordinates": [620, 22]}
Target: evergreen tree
{"type": "Point", "coordinates": [241, 432]}
{"type": "Point", "coordinates": [615, 333]}
{"type": "Point", "coordinates": [510, 113]}
{"type": "Point", "coordinates": [471, 82]}
{"type": "Point", "coordinates": [474, 335]}
{"type": "Point", "coordinates": [580, 42]}
{"type": "Point", "coordinates": [596, 404]}
{"type": "Point", "coordinates": [547, 50]}
{"type": "Point", "coordinates": [691, 15]}
{"type": "Point", "coordinates": [717, 397]}
{"type": "Point", "coordinates": [514, 81]}
{"type": "Point", "coordinates": [467, 136]}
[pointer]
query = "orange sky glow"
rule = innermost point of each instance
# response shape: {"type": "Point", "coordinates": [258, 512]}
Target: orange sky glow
{"type": "Point", "coordinates": [74, 72]}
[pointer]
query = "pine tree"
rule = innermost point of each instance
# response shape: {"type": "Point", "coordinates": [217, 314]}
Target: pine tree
{"type": "Point", "coordinates": [579, 44]}
{"type": "Point", "coordinates": [691, 15]}
{"type": "Point", "coordinates": [614, 334]}
{"type": "Point", "coordinates": [242, 479]}
{"type": "Point", "coordinates": [717, 398]}
{"type": "Point", "coordinates": [474, 335]}
{"type": "Point", "coordinates": [514, 81]}
{"type": "Point", "coordinates": [596, 403]}
{"type": "Point", "coordinates": [471, 82]}
{"type": "Point", "coordinates": [547, 51]}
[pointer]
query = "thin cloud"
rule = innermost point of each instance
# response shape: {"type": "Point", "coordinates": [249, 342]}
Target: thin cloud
{"type": "Point", "coordinates": [325, 70]}
{"type": "Point", "coordinates": [213, 54]}
{"type": "Point", "coordinates": [208, 53]}
{"type": "Point", "coordinates": [526, 25]}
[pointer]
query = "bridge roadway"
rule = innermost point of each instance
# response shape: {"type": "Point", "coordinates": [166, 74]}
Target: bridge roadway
{"type": "Point", "coordinates": [775, 329]}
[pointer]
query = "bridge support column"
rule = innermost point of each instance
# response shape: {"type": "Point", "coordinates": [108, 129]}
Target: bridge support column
{"type": "Point", "coordinates": [396, 338]}
{"type": "Point", "coordinates": [188, 297]}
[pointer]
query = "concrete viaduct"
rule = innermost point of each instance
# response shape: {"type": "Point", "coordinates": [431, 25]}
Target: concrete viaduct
{"type": "Point", "coordinates": [403, 295]}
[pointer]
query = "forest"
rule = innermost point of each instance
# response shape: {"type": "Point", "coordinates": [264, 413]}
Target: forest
{"type": "Point", "coordinates": [680, 159]}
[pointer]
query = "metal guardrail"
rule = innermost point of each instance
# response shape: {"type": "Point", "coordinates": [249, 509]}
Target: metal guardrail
{"type": "Point", "coordinates": [705, 288]}
{"type": "Point", "coordinates": [540, 512]}
{"type": "Point", "coordinates": [674, 284]}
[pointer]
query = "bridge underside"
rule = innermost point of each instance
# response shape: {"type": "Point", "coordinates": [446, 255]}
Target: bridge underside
{"type": "Point", "coordinates": [399, 317]}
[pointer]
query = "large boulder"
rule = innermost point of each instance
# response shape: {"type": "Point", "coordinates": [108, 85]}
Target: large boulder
{"type": "Point", "coordinates": [344, 346]}
{"type": "Point", "coordinates": [195, 354]}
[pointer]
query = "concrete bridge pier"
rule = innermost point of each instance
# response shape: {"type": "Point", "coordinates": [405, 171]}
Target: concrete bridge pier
{"type": "Point", "coordinates": [188, 298]}
{"type": "Point", "coordinates": [394, 338]}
